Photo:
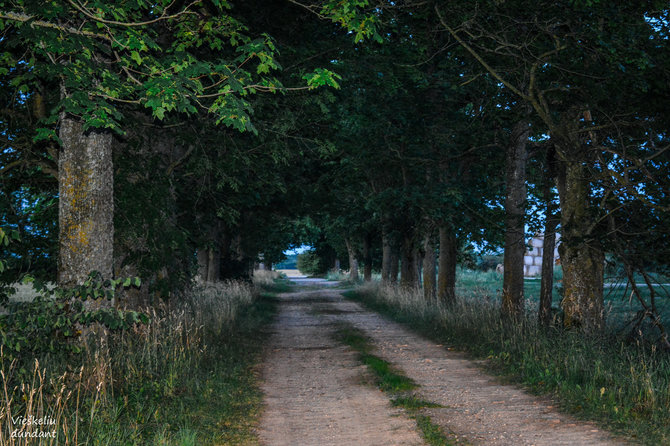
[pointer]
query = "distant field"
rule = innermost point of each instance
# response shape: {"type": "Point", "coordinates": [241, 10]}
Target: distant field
{"type": "Point", "coordinates": [290, 262]}
{"type": "Point", "coordinates": [290, 272]}
{"type": "Point", "coordinates": [620, 305]}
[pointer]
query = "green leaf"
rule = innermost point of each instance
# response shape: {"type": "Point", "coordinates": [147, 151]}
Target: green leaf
{"type": "Point", "coordinates": [322, 77]}
{"type": "Point", "coordinates": [159, 113]}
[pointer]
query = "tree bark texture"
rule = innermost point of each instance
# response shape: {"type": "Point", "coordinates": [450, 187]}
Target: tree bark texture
{"type": "Point", "coordinates": [582, 257]}
{"type": "Point", "coordinates": [446, 278]}
{"type": "Point", "coordinates": [418, 268]}
{"type": "Point", "coordinates": [86, 204]}
{"type": "Point", "coordinates": [367, 257]}
{"type": "Point", "coordinates": [203, 260]}
{"type": "Point", "coordinates": [515, 204]}
{"type": "Point", "coordinates": [209, 263]}
{"type": "Point", "coordinates": [549, 242]}
{"type": "Point", "coordinates": [395, 264]}
{"type": "Point", "coordinates": [386, 259]}
{"type": "Point", "coordinates": [353, 262]}
{"type": "Point", "coordinates": [209, 257]}
{"type": "Point", "coordinates": [547, 281]}
{"type": "Point", "coordinates": [408, 268]}
{"type": "Point", "coordinates": [429, 268]}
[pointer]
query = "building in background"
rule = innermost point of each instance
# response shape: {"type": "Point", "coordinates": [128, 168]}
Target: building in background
{"type": "Point", "coordinates": [532, 260]}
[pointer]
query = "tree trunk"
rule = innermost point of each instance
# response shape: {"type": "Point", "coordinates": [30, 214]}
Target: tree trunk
{"type": "Point", "coordinates": [209, 264]}
{"type": "Point", "coordinates": [85, 206]}
{"type": "Point", "coordinates": [429, 268]}
{"type": "Point", "coordinates": [515, 204]}
{"type": "Point", "coordinates": [386, 259]}
{"type": "Point", "coordinates": [446, 279]}
{"type": "Point", "coordinates": [209, 258]}
{"type": "Point", "coordinates": [353, 263]}
{"type": "Point", "coordinates": [367, 257]}
{"type": "Point", "coordinates": [408, 273]}
{"type": "Point", "coordinates": [581, 256]}
{"type": "Point", "coordinates": [549, 243]}
{"type": "Point", "coordinates": [203, 263]}
{"type": "Point", "coordinates": [213, 265]}
{"type": "Point", "coordinates": [418, 266]}
{"type": "Point", "coordinates": [395, 263]}
{"type": "Point", "coordinates": [547, 282]}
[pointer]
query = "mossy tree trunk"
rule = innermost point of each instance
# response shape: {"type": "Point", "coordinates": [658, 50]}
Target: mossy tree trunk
{"type": "Point", "coordinates": [515, 208]}
{"type": "Point", "coordinates": [86, 204]}
{"type": "Point", "coordinates": [446, 271]}
{"type": "Point", "coordinates": [582, 257]}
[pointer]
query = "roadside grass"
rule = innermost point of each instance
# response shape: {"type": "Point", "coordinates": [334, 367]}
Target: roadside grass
{"type": "Point", "coordinates": [393, 382]}
{"type": "Point", "coordinates": [623, 385]}
{"type": "Point", "coordinates": [336, 276]}
{"type": "Point", "coordinates": [185, 378]}
{"type": "Point", "coordinates": [271, 281]}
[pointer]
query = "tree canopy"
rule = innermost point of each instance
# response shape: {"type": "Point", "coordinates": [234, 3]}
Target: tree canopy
{"type": "Point", "coordinates": [169, 140]}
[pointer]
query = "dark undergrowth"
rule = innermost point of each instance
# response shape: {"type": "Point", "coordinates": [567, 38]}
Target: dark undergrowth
{"type": "Point", "coordinates": [622, 385]}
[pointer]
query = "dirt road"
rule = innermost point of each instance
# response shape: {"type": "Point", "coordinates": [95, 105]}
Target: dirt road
{"type": "Point", "coordinates": [316, 392]}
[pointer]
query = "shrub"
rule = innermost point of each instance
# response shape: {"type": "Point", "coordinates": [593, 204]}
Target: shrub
{"type": "Point", "coordinates": [310, 264]}
{"type": "Point", "coordinates": [489, 262]}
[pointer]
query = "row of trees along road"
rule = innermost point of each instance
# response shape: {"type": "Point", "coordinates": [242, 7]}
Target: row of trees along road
{"type": "Point", "coordinates": [136, 117]}
{"type": "Point", "coordinates": [444, 125]}
{"type": "Point", "coordinates": [144, 125]}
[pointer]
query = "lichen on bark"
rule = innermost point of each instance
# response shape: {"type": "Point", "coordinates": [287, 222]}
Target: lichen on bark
{"type": "Point", "coordinates": [86, 203]}
{"type": "Point", "coordinates": [581, 255]}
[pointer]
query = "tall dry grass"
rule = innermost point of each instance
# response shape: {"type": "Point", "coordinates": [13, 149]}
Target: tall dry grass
{"type": "Point", "coordinates": [264, 278]}
{"type": "Point", "coordinates": [77, 399]}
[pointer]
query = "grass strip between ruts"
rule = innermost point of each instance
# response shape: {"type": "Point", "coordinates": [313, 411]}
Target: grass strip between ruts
{"type": "Point", "coordinates": [398, 386]}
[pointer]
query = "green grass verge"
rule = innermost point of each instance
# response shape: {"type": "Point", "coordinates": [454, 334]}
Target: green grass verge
{"type": "Point", "coordinates": [624, 386]}
{"type": "Point", "coordinates": [215, 402]}
{"type": "Point", "coordinates": [397, 385]}
{"type": "Point", "coordinates": [278, 286]}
